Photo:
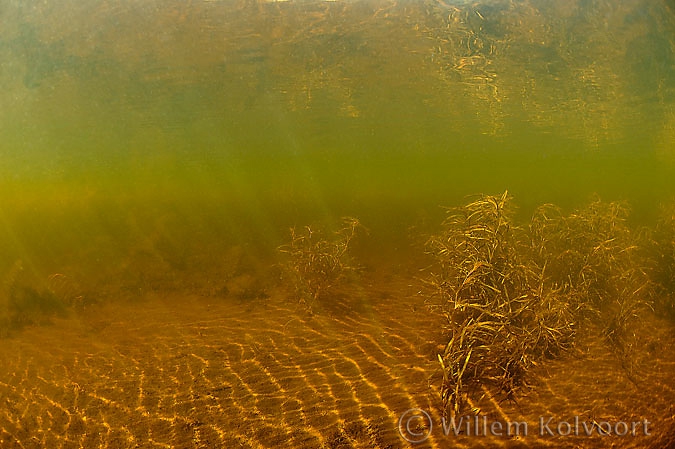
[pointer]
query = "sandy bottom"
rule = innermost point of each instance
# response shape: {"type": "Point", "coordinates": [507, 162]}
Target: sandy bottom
{"type": "Point", "coordinates": [174, 370]}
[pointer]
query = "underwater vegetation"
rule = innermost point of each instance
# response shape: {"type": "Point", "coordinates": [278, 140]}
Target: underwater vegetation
{"type": "Point", "coordinates": [663, 248]}
{"type": "Point", "coordinates": [517, 295]}
{"type": "Point", "coordinates": [501, 317]}
{"type": "Point", "coordinates": [23, 304]}
{"type": "Point", "coordinates": [595, 258]}
{"type": "Point", "coordinates": [315, 263]}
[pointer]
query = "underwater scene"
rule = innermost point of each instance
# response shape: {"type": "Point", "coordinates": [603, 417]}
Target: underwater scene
{"type": "Point", "coordinates": [337, 224]}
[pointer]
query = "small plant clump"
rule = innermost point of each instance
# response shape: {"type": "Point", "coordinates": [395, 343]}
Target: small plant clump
{"type": "Point", "coordinates": [23, 305]}
{"type": "Point", "coordinates": [663, 252]}
{"type": "Point", "coordinates": [515, 295]}
{"type": "Point", "coordinates": [317, 264]}
{"type": "Point", "coordinates": [597, 261]}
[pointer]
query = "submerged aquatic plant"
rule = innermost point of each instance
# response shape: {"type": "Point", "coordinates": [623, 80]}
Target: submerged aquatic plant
{"type": "Point", "coordinates": [500, 317]}
{"type": "Point", "coordinates": [22, 304]}
{"type": "Point", "coordinates": [594, 258]}
{"type": "Point", "coordinates": [514, 296]}
{"type": "Point", "coordinates": [316, 264]}
{"type": "Point", "coordinates": [662, 250]}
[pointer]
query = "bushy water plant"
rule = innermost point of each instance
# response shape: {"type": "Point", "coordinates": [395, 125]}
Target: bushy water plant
{"type": "Point", "coordinates": [317, 263]}
{"type": "Point", "coordinates": [501, 319]}
{"type": "Point", "coordinates": [662, 250]}
{"type": "Point", "coordinates": [514, 295]}
{"type": "Point", "coordinates": [598, 261]}
{"type": "Point", "coordinates": [23, 303]}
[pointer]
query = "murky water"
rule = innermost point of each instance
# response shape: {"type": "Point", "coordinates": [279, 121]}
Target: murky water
{"type": "Point", "coordinates": [154, 154]}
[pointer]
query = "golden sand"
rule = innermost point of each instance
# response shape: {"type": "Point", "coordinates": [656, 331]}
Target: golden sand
{"type": "Point", "coordinates": [173, 370]}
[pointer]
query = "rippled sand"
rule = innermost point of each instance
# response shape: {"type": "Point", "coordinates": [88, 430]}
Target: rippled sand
{"type": "Point", "coordinates": [181, 370]}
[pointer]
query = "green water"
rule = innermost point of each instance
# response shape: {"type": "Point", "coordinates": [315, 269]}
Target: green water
{"type": "Point", "coordinates": [191, 125]}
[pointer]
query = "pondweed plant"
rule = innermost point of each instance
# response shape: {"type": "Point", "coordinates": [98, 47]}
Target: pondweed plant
{"type": "Point", "coordinates": [663, 252]}
{"type": "Point", "coordinates": [500, 318]}
{"type": "Point", "coordinates": [597, 261]}
{"type": "Point", "coordinates": [514, 296]}
{"type": "Point", "coordinates": [316, 264]}
{"type": "Point", "coordinates": [588, 253]}
{"type": "Point", "coordinates": [22, 305]}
